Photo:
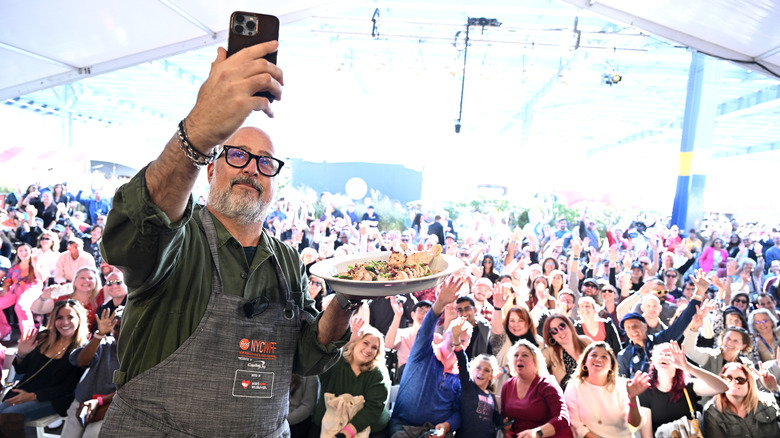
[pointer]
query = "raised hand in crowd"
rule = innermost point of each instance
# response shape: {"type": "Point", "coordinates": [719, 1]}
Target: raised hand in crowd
{"type": "Point", "coordinates": [765, 376]}
{"type": "Point", "coordinates": [732, 267]}
{"type": "Point", "coordinates": [356, 323]}
{"type": "Point", "coordinates": [637, 385]}
{"type": "Point", "coordinates": [106, 322]}
{"type": "Point", "coordinates": [27, 343]}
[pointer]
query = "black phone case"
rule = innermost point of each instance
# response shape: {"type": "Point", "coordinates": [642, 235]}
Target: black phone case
{"type": "Point", "coordinates": [267, 30]}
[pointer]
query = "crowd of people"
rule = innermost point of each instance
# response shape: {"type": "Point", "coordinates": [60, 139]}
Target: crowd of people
{"type": "Point", "coordinates": [549, 330]}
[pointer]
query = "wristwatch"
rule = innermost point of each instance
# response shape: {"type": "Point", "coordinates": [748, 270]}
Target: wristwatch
{"type": "Point", "coordinates": [539, 432]}
{"type": "Point", "coordinates": [348, 305]}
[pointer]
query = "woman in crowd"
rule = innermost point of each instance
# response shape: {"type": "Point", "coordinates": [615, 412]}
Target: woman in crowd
{"type": "Point", "coordinates": [532, 398]}
{"type": "Point", "coordinates": [20, 289]}
{"type": "Point", "coordinates": [742, 410]}
{"type": "Point", "coordinates": [478, 409]}
{"type": "Point", "coordinates": [540, 294]}
{"type": "Point", "coordinates": [49, 377]}
{"type": "Point", "coordinates": [317, 291]}
{"type": "Point", "coordinates": [734, 344]}
{"type": "Point", "coordinates": [557, 282]}
{"type": "Point", "coordinates": [86, 290]}
{"type": "Point", "coordinates": [505, 332]}
{"type": "Point", "coordinates": [667, 398]}
{"type": "Point", "coordinates": [597, 329]}
{"type": "Point", "coordinates": [360, 372]}
{"type": "Point", "coordinates": [763, 325]}
{"type": "Point", "coordinates": [58, 196]}
{"type": "Point", "coordinates": [601, 403]}
{"type": "Point", "coordinates": [489, 268]}
{"type": "Point", "coordinates": [713, 256]}
{"type": "Point", "coordinates": [564, 347]}
{"type": "Point", "coordinates": [549, 265]}
{"type": "Point", "coordinates": [46, 255]}
{"type": "Point", "coordinates": [733, 247]}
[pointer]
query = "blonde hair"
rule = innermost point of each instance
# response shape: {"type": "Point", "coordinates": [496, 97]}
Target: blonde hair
{"type": "Point", "coordinates": [378, 359]}
{"type": "Point", "coordinates": [98, 284]}
{"type": "Point", "coordinates": [750, 403]}
{"type": "Point", "coordinates": [536, 354]}
{"type": "Point", "coordinates": [581, 372]}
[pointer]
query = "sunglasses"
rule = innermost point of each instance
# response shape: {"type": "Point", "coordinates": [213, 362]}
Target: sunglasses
{"type": "Point", "coordinates": [739, 380]}
{"type": "Point", "coordinates": [561, 327]}
{"type": "Point", "coordinates": [740, 301]}
{"type": "Point", "coordinates": [464, 309]}
{"type": "Point", "coordinates": [44, 238]}
{"type": "Point", "coordinates": [661, 293]}
{"type": "Point", "coordinates": [114, 283]}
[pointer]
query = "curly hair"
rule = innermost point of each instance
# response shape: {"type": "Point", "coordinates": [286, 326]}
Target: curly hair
{"type": "Point", "coordinates": [536, 354]}
{"type": "Point", "coordinates": [581, 372]}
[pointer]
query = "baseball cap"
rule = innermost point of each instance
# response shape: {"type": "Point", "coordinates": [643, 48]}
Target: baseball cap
{"type": "Point", "coordinates": [632, 315]}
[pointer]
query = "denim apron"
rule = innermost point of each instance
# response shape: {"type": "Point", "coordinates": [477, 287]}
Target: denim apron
{"type": "Point", "coordinates": [230, 378]}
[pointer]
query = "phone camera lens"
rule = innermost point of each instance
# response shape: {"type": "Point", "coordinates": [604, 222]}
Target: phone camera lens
{"type": "Point", "coordinates": [250, 25]}
{"type": "Point", "coordinates": [239, 29]}
{"type": "Point", "coordinates": [240, 18]}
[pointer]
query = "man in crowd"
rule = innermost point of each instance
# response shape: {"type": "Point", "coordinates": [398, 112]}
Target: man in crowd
{"type": "Point", "coordinates": [767, 301]}
{"type": "Point", "coordinates": [430, 387]}
{"type": "Point", "coordinates": [96, 206]}
{"type": "Point", "coordinates": [402, 339]}
{"type": "Point", "coordinates": [478, 344]}
{"type": "Point", "coordinates": [481, 291]}
{"type": "Point", "coordinates": [72, 260]}
{"type": "Point", "coordinates": [637, 354]}
{"type": "Point", "coordinates": [213, 296]}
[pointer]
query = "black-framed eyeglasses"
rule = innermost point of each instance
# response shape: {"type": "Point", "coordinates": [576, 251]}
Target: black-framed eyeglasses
{"type": "Point", "coordinates": [554, 330]}
{"type": "Point", "coordinates": [238, 157]}
{"type": "Point", "coordinates": [114, 282]}
{"type": "Point", "coordinates": [739, 379]}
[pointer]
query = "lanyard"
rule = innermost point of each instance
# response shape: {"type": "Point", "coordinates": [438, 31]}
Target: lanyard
{"type": "Point", "coordinates": [635, 359]}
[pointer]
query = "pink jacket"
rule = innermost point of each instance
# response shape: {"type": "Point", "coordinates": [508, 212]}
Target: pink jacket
{"type": "Point", "coordinates": [708, 258]}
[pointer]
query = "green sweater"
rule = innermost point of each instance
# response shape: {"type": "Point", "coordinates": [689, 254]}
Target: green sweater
{"type": "Point", "coordinates": [373, 385]}
{"type": "Point", "coordinates": [167, 269]}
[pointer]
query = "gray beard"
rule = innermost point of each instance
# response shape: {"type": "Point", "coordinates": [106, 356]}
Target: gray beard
{"type": "Point", "coordinates": [243, 210]}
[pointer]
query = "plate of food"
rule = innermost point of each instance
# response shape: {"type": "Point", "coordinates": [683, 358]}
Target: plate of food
{"type": "Point", "coordinates": [385, 273]}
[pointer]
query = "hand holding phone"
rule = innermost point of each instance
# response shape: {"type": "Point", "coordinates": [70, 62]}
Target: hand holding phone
{"type": "Point", "coordinates": [248, 29]}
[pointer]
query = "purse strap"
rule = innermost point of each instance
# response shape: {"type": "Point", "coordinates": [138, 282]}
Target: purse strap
{"type": "Point", "coordinates": [18, 385]}
{"type": "Point", "coordinates": [690, 405]}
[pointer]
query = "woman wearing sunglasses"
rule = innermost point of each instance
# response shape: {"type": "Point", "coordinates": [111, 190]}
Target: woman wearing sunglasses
{"type": "Point", "coordinates": [46, 255]}
{"type": "Point", "coordinates": [742, 410]}
{"type": "Point", "coordinates": [49, 378]}
{"type": "Point", "coordinates": [564, 347]}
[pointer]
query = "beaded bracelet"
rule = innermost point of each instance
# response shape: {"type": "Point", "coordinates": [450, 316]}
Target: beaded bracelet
{"type": "Point", "coordinates": [198, 158]}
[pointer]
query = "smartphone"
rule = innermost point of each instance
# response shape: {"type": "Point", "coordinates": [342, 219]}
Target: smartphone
{"type": "Point", "coordinates": [248, 29]}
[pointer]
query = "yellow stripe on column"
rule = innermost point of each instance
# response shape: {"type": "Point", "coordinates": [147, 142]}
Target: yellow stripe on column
{"type": "Point", "coordinates": [686, 163]}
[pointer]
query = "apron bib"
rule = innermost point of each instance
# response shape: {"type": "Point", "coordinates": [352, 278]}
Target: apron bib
{"type": "Point", "coordinates": [230, 378]}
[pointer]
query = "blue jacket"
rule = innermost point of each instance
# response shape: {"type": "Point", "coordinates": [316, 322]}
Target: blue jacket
{"type": "Point", "coordinates": [427, 393]}
{"type": "Point", "coordinates": [635, 358]}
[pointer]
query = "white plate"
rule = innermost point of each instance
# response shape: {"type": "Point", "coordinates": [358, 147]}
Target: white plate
{"type": "Point", "coordinates": [442, 266]}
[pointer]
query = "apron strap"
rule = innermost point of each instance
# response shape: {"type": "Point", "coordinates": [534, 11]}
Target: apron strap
{"type": "Point", "coordinates": [211, 237]}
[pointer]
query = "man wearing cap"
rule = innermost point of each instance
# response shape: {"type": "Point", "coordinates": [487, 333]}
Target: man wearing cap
{"type": "Point", "coordinates": [636, 355]}
{"type": "Point", "coordinates": [72, 260]}
{"type": "Point", "coordinates": [481, 291]}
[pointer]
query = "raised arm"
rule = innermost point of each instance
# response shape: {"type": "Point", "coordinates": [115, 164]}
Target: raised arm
{"type": "Point", "coordinates": [706, 384]}
{"type": "Point", "coordinates": [224, 101]}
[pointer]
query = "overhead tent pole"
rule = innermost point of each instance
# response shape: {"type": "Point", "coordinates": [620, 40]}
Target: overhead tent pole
{"type": "Point", "coordinates": [696, 143]}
